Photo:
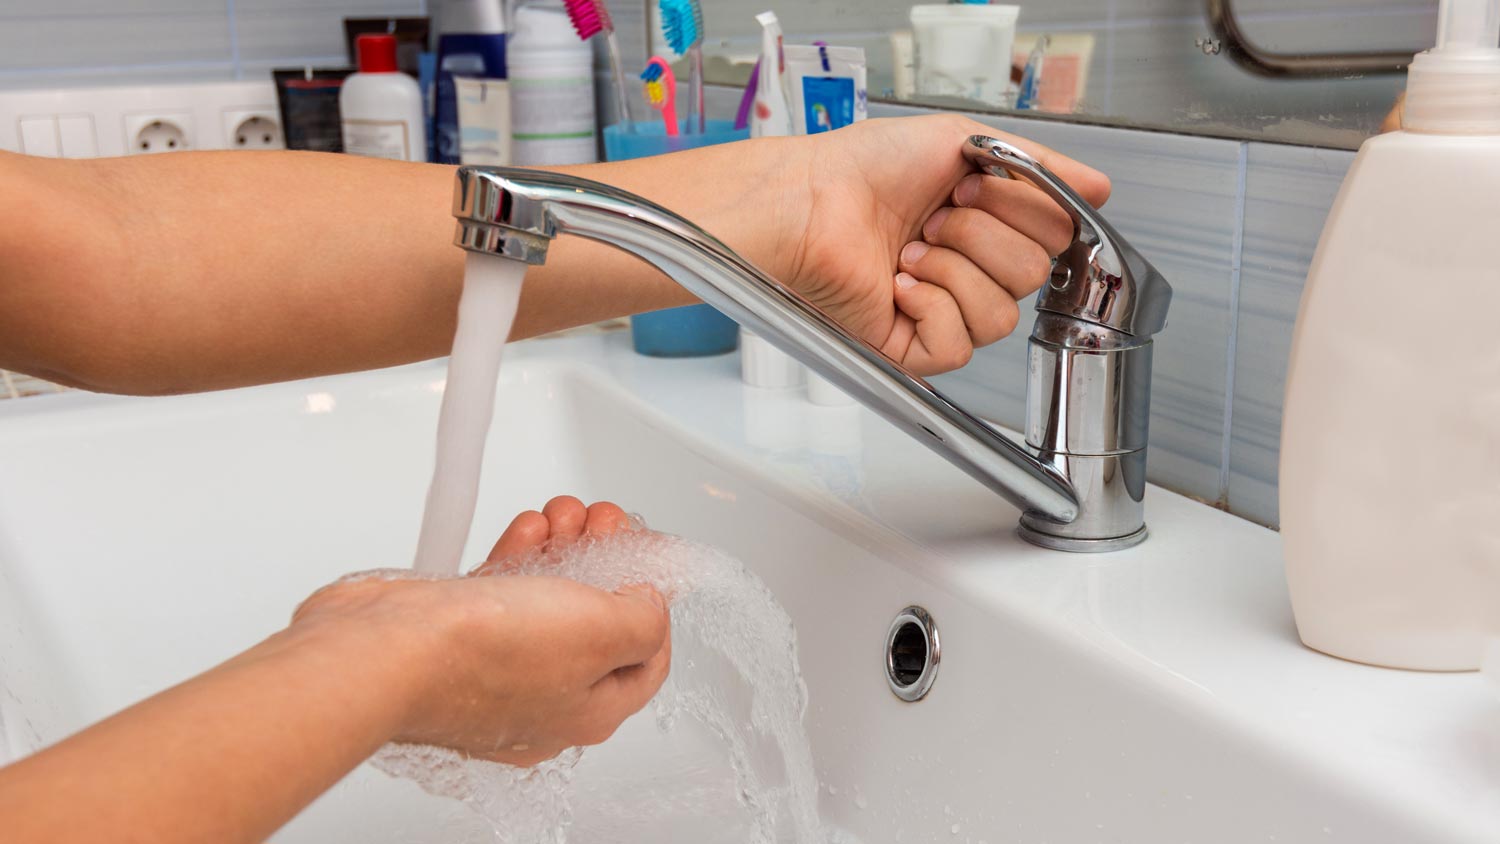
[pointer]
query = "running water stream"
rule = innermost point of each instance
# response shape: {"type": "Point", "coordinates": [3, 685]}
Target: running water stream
{"type": "Point", "coordinates": [486, 310]}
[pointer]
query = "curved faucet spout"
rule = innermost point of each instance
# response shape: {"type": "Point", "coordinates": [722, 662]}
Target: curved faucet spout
{"type": "Point", "coordinates": [513, 212]}
{"type": "Point", "coordinates": [1079, 478]}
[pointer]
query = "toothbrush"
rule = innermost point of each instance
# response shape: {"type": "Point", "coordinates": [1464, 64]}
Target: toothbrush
{"type": "Point", "coordinates": [747, 100]}
{"type": "Point", "coordinates": [661, 92]}
{"type": "Point", "coordinates": [682, 23]}
{"type": "Point", "coordinates": [1031, 78]}
{"type": "Point", "coordinates": [591, 17]}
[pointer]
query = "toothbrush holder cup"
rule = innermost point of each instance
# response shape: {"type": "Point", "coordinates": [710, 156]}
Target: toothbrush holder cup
{"type": "Point", "coordinates": [693, 330]}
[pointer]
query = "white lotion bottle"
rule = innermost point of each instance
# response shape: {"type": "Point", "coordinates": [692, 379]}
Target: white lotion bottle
{"type": "Point", "coordinates": [381, 107]}
{"type": "Point", "coordinates": [551, 76]}
{"type": "Point", "coordinates": [1390, 455]}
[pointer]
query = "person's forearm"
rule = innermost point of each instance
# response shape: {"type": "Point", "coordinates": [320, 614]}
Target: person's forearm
{"type": "Point", "coordinates": [197, 271]}
{"type": "Point", "coordinates": [229, 756]}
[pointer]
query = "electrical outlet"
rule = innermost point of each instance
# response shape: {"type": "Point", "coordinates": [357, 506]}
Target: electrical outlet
{"type": "Point", "coordinates": [258, 128]}
{"type": "Point", "coordinates": [123, 120]}
{"type": "Point", "coordinates": [152, 132]}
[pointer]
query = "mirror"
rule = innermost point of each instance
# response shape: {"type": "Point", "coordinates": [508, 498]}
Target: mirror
{"type": "Point", "coordinates": [1317, 72]}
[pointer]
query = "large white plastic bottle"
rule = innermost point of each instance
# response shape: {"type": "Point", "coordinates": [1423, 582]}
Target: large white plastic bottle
{"type": "Point", "coordinates": [551, 88]}
{"type": "Point", "coordinates": [381, 107]}
{"type": "Point", "coordinates": [1390, 456]}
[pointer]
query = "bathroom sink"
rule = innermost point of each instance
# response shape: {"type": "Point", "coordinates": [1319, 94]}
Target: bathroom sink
{"type": "Point", "coordinates": [1157, 694]}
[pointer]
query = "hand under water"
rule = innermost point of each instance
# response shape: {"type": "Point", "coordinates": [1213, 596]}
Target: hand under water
{"type": "Point", "coordinates": [886, 227]}
{"type": "Point", "coordinates": [513, 669]}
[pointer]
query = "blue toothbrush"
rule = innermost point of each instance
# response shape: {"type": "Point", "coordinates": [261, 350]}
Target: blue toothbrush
{"type": "Point", "coordinates": [682, 23]}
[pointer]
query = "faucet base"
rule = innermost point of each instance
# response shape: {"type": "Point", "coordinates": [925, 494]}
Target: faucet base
{"type": "Point", "coordinates": [1081, 546]}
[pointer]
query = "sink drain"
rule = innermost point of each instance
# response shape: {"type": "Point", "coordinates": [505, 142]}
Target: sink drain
{"type": "Point", "coordinates": [911, 654]}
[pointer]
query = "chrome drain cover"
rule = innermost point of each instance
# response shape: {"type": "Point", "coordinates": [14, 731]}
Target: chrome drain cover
{"type": "Point", "coordinates": [912, 652]}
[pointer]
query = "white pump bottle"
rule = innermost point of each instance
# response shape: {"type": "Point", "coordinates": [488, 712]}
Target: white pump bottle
{"type": "Point", "coordinates": [1390, 456]}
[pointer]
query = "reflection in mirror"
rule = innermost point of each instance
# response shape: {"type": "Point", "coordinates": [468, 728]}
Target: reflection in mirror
{"type": "Point", "coordinates": [1321, 72]}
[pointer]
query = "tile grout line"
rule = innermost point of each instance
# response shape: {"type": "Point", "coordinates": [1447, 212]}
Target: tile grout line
{"type": "Point", "coordinates": [1236, 256]}
{"type": "Point", "coordinates": [234, 40]}
{"type": "Point", "coordinates": [1111, 14]}
{"type": "Point", "coordinates": [78, 70]}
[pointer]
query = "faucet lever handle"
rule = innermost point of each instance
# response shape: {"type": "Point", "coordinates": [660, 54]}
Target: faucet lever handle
{"type": "Point", "coordinates": [1099, 278]}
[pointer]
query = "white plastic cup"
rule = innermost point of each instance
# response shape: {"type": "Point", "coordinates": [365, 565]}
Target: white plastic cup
{"type": "Point", "coordinates": [964, 50]}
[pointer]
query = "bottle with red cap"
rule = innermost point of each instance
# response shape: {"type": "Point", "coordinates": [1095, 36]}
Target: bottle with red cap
{"type": "Point", "coordinates": [380, 106]}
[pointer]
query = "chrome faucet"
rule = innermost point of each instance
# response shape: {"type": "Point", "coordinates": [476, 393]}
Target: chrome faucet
{"type": "Point", "coordinates": [1080, 478]}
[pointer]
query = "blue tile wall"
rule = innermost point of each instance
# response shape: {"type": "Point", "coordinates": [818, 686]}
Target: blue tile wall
{"type": "Point", "coordinates": [1288, 192]}
{"type": "Point", "coordinates": [42, 42]}
{"type": "Point", "coordinates": [89, 42]}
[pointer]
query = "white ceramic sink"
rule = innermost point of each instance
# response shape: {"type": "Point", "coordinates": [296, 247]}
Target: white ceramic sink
{"type": "Point", "coordinates": [1152, 695]}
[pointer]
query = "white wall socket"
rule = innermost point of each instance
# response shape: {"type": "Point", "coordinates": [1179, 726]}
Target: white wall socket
{"type": "Point", "coordinates": [158, 131]}
{"type": "Point", "coordinates": [252, 129]}
{"type": "Point", "coordinates": [89, 122]}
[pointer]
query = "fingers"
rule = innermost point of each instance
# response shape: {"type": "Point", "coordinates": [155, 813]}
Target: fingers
{"type": "Point", "coordinates": [624, 691]}
{"type": "Point", "coordinates": [614, 698]}
{"type": "Point", "coordinates": [988, 310]}
{"type": "Point", "coordinates": [636, 625]}
{"type": "Point", "coordinates": [527, 757]}
{"type": "Point", "coordinates": [1087, 182]}
{"type": "Point", "coordinates": [930, 335]}
{"type": "Point", "coordinates": [567, 516]}
{"type": "Point", "coordinates": [562, 520]}
{"type": "Point", "coordinates": [605, 518]}
{"type": "Point", "coordinates": [957, 287]}
{"type": "Point", "coordinates": [526, 531]}
{"type": "Point", "coordinates": [1022, 206]}
{"type": "Point", "coordinates": [1013, 260]}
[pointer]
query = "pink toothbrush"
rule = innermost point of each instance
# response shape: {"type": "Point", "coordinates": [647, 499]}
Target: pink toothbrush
{"type": "Point", "coordinates": [661, 91]}
{"type": "Point", "coordinates": [590, 17]}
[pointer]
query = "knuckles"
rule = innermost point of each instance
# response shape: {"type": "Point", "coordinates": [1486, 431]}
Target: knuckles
{"type": "Point", "coordinates": [956, 358]}
{"type": "Point", "coordinates": [1034, 265]}
{"type": "Point", "coordinates": [998, 324]}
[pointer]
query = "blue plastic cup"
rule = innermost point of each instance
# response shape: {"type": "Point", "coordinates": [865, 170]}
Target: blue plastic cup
{"type": "Point", "coordinates": [650, 138]}
{"type": "Point", "coordinates": [694, 330]}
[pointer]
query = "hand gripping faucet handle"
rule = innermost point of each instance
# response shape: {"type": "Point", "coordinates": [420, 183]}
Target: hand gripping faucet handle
{"type": "Point", "coordinates": [1099, 278]}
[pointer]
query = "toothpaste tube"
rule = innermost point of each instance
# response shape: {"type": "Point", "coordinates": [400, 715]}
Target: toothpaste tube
{"type": "Point", "coordinates": [828, 88]}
